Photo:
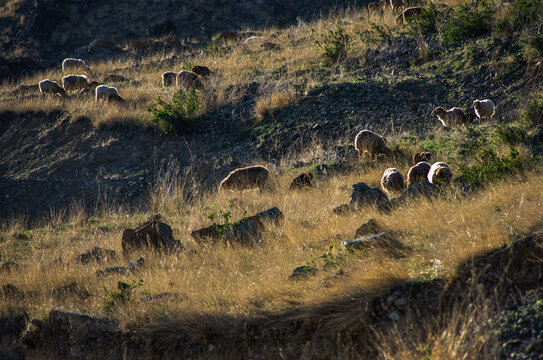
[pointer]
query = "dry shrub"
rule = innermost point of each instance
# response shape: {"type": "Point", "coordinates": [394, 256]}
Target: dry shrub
{"type": "Point", "coordinates": [264, 106]}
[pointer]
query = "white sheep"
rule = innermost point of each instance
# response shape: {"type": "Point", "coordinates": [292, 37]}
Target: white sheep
{"type": "Point", "coordinates": [484, 109]}
{"type": "Point", "coordinates": [74, 82]}
{"type": "Point", "coordinates": [392, 181]}
{"type": "Point", "coordinates": [168, 78]}
{"type": "Point", "coordinates": [440, 174]}
{"type": "Point", "coordinates": [51, 87]}
{"type": "Point", "coordinates": [368, 144]}
{"type": "Point", "coordinates": [451, 117]}
{"type": "Point", "coordinates": [70, 64]}
{"type": "Point", "coordinates": [103, 92]}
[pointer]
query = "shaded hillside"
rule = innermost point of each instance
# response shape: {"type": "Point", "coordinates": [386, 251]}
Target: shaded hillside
{"type": "Point", "coordinates": [54, 29]}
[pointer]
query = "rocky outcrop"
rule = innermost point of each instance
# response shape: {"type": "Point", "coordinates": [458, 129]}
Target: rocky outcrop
{"type": "Point", "coordinates": [363, 195]}
{"type": "Point", "coordinates": [153, 235]}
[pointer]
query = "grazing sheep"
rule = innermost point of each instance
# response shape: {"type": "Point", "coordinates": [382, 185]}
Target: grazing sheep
{"type": "Point", "coordinates": [439, 174]}
{"type": "Point", "coordinates": [392, 181]}
{"type": "Point", "coordinates": [409, 13]}
{"type": "Point", "coordinates": [418, 173]}
{"type": "Point", "coordinates": [188, 80]}
{"type": "Point", "coordinates": [103, 92]}
{"type": "Point", "coordinates": [70, 64]}
{"type": "Point", "coordinates": [421, 156]}
{"type": "Point", "coordinates": [375, 8]}
{"type": "Point", "coordinates": [245, 178]}
{"type": "Point", "coordinates": [451, 117]}
{"type": "Point", "coordinates": [369, 144]}
{"type": "Point", "coordinates": [201, 70]}
{"type": "Point", "coordinates": [51, 87]}
{"type": "Point", "coordinates": [302, 181]}
{"type": "Point", "coordinates": [396, 4]}
{"type": "Point", "coordinates": [168, 78]}
{"type": "Point", "coordinates": [114, 98]}
{"type": "Point", "coordinates": [227, 36]}
{"type": "Point", "coordinates": [90, 88]}
{"type": "Point", "coordinates": [484, 109]}
{"type": "Point", "coordinates": [74, 82]}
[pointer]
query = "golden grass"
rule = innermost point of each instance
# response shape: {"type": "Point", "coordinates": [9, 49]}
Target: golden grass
{"type": "Point", "coordinates": [265, 106]}
{"type": "Point", "coordinates": [236, 280]}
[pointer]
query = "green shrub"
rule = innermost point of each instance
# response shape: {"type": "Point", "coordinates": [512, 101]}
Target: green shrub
{"type": "Point", "coordinates": [379, 34]}
{"type": "Point", "coordinates": [466, 22]}
{"type": "Point", "coordinates": [533, 115]}
{"type": "Point", "coordinates": [491, 166]}
{"type": "Point", "coordinates": [510, 134]}
{"type": "Point", "coordinates": [122, 295]}
{"type": "Point", "coordinates": [519, 15]}
{"type": "Point", "coordinates": [533, 49]}
{"type": "Point", "coordinates": [179, 115]}
{"type": "Point", "coordinates": [336, 44]}
{"type": "Point", "coordinates": [425, 22]}
{"type": "Point", "coordinates": [226, 215]}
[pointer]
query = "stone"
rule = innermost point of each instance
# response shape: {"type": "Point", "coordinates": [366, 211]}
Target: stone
{"type": "Point", "coordinates": [342, 209]}
{"type": "Point", "coordinates": [97, 255]}
{"type": "Point", "coordinates": [421, 189]}
{"type": "Point", "coordinates": [368, 228]}
{"type": "Point", "coordinates": [362, 195]}
{"type": "Point", "coordinates": [302, 181]}
{"type": "Point", "coordinates": [152, 235]}
{"type": "Point", "coordinates": [384, 240]}
{"type": "Point", "coordinates": [66, 290]}
{"type": "Point", "coordinates": [302, 272]}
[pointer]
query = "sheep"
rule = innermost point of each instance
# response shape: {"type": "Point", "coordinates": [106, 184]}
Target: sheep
{"type": "Point", "coordinates": [168, 78]}
{"type": "Point", "coordinates": [188, 80]}
{"type": "Point", "coordinates": [368, 144]}
{"type": "Point", "coordinates": [484, 109]}
{"type": "Point", "coordinates": [421, 156]}
{"type": "Point", "coordinates": [392, 181]}
{"type": "Point", "coordinates": [114, 98]}
{"type": "Point", "coordinates": [201, 70]}
{"type": "Point", "coordinates": [396, 4]}
{"type": "Point", "coordinates": [103, 92]}
{"type": "Point", "coordinates": [74, 64]}
{"type": "Point", "coordinates": [90, 88]}
{"type": "Point", "coordinates": [245, 178]}
{"type": "Point", "coordinates": [74, 82]}
{"type": "Point", "coordinates": [451, 117]}
{"type": "Point", "coordinates": [51, 87]}
{"type": "Point", "coordinates": [418, 173]}
{"type": "Point", "coordinates": [226, 36]}
{"type": "Point", "coordinates": [302, 181]}
{"type": "Point", "coordinates": [439, 174]}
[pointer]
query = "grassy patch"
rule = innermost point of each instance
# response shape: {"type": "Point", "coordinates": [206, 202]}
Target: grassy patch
{"type": "Point", "coordinates": [466, 22]}
{"type": "Point", "coordinates": [521, 14]}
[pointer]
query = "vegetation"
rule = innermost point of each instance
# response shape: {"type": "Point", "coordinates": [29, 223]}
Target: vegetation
{"type": "Point", "coordinates": [520, 15]}
{"type": "Point", "coordinates": [335, 45]}
{"type": "Point", "coordinates": [534, 112]}
{"type": "Point", "coordinates": [179, 115]}
{"type": "Point", "coordinates": [466, 22]}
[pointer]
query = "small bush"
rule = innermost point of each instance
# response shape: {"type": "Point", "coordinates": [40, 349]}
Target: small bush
{"type": "Point", "coordinates": [425, 22]}
{"type": "Point", "coordinates": [510, 135]}
{"type": "Point", "coordinates": [378, 34]}
{"type": "Point", "coordinates": [466, 23]}
{"type": "Point", "coordinates": [519, 15]}
{"type": "Point", "coordinates": [336, 44]}
{"type": "Point", "coordinates": [178, 115]}
{"type": "Point", "coordinates": [122, 295]}
{"type": "Point", "coordinates": [533, 49]}
{"type": "Point", "coordinates": [533, 115]}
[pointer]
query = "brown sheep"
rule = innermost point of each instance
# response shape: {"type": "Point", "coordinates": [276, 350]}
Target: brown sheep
{"type": "Point", "coordinates": [421, 156]}
{"type": "Point", "coordinates": [245, 178]}
{"type": "Point", "coordinates": [440, 174]}
{"type": "Point", "coordinates": [375, 8]}
{"type": "Point", "coordinates": [392, 181]}
{"type": "Point", "coordinates": [188, 80]}
{"type": "Point", "coordinates": [451, 117]}
{"type": "Point", "coordinates": [201, 70]}
{"type": "Point", "coordinates": [369, 144]}
{"type": "Point", "coordinates": [418, 173]}
{"type": "Point", "coordinates": [302, 181]}
{"type": "Point", "coordinates": [168, 78]}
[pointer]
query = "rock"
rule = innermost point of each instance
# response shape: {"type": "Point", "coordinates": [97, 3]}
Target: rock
{"type": "Point", "coordinates": [384, 240]}
{"type": "Point", "coordinates": [537, 150]}
{"type": "Point", "coordinates": [247, 232]}
{"type": "Point", "coordinates": [342, 209]}
{"type": "Point", "coordinates": [11, 330]}
{"type": "Point", "coordinates": [136, 264]}
{"type": "Point", "coordinates": [133, 267]}
{"type": "Point", "coordinates": [302, 181]}
{"type": "Point", "coordinates": [423, 188]}
{"type": "Point", "coordinates": [97, 255]}
{"type": "Point", "coordinates": [369, 227]}
{"type": "Point", "coordinates": [302, 272]}
{"type": "Point", "coordinates": [66, 290]}
{"type": "Point", "coordinates": [153, 235]}
{"type": "Point", "coordinates": [9, 266]}
{"type": "Point", "coordinates": [362, 195]}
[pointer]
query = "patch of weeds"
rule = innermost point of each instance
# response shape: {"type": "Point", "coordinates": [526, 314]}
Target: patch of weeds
{"type": "Point", "coordinates": [330, 259]}
{"type": "Point", "coordinates": [533, 49]}
{"type": "Point", "coordinates": [519, 15]}
{"type": "Point", "coordinates": [425, 22]}
{"type": "Point", "coordinates": [179, 115]}
{"type": "Point", "coordinates": [313, 168]}
{"type": "Point", "coordinates": [379, 34]}
{"type": "Point", "coordinates": [490, 166]}
{"type": "Point", "coordinates": [467, 22]}
{"type": "Point", "coordinates": [212, 49]}
{"type": "Point", "coordinates": [523, 323]}
{"type": "Point", "coordinates": [161, 29]}
{"type": "Point", "coordinates": [226, 216]}
{"type": "Point", "coordinates": [533, 115]}
{"type": "Point", "coordinates": [122, 295]}
{"type": "Point", "coordinates": [510, 134]}
{"type": "Point", "coordinates": [335, 45]}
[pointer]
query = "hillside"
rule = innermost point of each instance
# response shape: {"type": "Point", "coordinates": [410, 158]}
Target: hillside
{"type": "Point", "coordinates": [446, 271]}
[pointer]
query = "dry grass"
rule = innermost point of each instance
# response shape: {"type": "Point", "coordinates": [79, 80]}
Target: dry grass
{"type": "Point", "coordinates": [235, 280]}
{"type": "Point", "coordinates": [265, 106]}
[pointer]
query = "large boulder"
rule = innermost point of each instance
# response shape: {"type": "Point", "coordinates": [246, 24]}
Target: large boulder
{"type": "Point", "coordinates": [152, 235]}
{"type": "Point", "coordinates": [245, 231]}
{"type": "Point", "coordinates": [363, 195]}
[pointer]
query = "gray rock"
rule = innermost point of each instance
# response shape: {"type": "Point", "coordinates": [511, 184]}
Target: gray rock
{"type": "Point", "coordinates": [385, 241]}
{"type": "Point", "coordinates": [420, 189]}
{"type": "Point", "coordinates": [97, 255]}
{"type": "Point", "coordinates": [342, 209]}
{"type": "Point", "coordinates": [152, 235]}
{"type": "Point", "coordinates": [362, 195]}
{"type": "Point", "coordinates": [302, 272]}
{"type": "Point", "coordinates": [369, 227]}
